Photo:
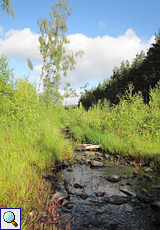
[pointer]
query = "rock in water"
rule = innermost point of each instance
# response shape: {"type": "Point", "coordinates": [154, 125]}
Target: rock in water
{"type": "Point", "coordinates": [115, 199]}
{"type": "Point", "coordinates": [76, 185]}
{"type": "Point", "coordinates": [59, 196]}
{"type": "Point", "coordinates": [96, 164]}
{"type": "Point", "coordinates": [113, 178]}
{"type": "Point", "coordinates": [83, 196]}
{"type": "Point", "coordinates": [102, 193]}
{"type": "Point", "coordinates": [126, 192]}
{"type": "Point", "coordinates": [143, 198]}
{"type": "Point", "coordinates": [155, 205]}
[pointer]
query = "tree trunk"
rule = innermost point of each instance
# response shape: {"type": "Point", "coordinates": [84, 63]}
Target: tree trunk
{"type": "Point", "coordinates": [45, 61]}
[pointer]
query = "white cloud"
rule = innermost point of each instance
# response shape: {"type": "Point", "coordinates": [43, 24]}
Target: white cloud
{"type": "Point", "coordinates": [1, 30]}
{"type": "Point", "coordinates": [102, 24]}
{"type": "Point", "coordinates": [101, 54]}
{"type": "Point", "coordinates": [20, 44]}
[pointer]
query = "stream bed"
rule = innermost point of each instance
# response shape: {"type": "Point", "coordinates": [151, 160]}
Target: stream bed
{"type": "Point", "coordinates": [114, 195]}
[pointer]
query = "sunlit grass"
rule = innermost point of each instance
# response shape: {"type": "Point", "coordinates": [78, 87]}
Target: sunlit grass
{"type": "Point", "coordinates": [27, 153]}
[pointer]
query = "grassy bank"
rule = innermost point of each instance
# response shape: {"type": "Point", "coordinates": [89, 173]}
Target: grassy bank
{"type": "Point", "coordinates": [131, 129]}
{"type": "Point", "coordinates": [28, 150]}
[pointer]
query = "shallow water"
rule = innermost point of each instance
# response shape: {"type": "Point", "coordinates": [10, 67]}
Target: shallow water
{"type": "Point", "coordinates": [94, 212]}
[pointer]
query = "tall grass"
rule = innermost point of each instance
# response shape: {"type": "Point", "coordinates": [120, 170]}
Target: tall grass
{"type": "Point", "coordinates": [130, 128]}
{"type": "Point", "coordinates": [28, 149]}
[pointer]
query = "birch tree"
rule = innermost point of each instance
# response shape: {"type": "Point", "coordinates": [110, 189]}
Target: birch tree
{"type": "Point", "coordinates": [53, 47]}
{"type": "Point", "coordinates": [5, 5]}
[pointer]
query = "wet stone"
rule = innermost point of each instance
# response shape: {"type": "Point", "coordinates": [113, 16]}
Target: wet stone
{"type": "Point", "coordinates": [156, 186]}
{"type": "Point", "coordinates": [83, 196]}
{"type": "Point", "coordinates": [143, 198]}
{"type": "Point", "coordinates": [59, 196]}
{"type": "Point", "coordinates": [129, 184]}
{"type": "Point", "coordinates": [69, 170]}
{"type": "Point", "coordinates": [87, 161]}
{"type": "Point", "coordinates": [142, 205]}
{"type": "Point", "coordinates": [155, 205]}
{"type": "Point", "coordinates": [115, 199]}
{"type": "Point", "coordinates": [141, 165]}
{"type": "Point", "coordinates": [113, 178]}
{"type": "Point", "coordinates": [76, 185]}
{"type": "Point", "coordinates": [135, 173]}
{"type": "Point", "coordinates": [96, 164]}
{"type": "Point", "coordinates": [157, 221]}
{"type": "Point", "coordinates": [126, 192]}
{"type": "Point", "coordinates": [69, 206]}
{"type": "Point", "coordinates": [96, 223]}
{"type": "Point", "coordinates": [102, 193]}
{"type": "Point", "coordinates": [148, 178]}
{"type": "Point", "coordinates": [107, 156]}
{"type": "Point", "coordinates": [64, 202]}
{"type": "Point", "coordinates": [148, 170]}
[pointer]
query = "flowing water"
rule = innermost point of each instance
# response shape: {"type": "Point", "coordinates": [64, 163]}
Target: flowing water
{"type": "Point", "coordinates": [93, 212]}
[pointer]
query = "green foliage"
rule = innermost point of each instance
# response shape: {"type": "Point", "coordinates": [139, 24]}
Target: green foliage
{"type": "Point", "coordinates": [6, 6]}
{"type": "Point", "coordinates": [6, 83]}
{"type": "Point", "coordinates": [30, 65]}
{"type": "Point", "coordinates": [131, 127]}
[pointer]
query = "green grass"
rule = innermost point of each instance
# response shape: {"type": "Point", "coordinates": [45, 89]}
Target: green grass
{"type": "Point", "coordinates": [27, 152]}
{"type": "Point", "coordinates": [131, 129]}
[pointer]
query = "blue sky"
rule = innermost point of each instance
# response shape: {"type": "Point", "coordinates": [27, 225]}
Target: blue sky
{"type": "Point", "coordinates": [108, 32]}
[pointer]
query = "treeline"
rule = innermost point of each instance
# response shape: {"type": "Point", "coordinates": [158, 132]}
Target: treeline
{"type": "Point", "coordinates": [143, 73]}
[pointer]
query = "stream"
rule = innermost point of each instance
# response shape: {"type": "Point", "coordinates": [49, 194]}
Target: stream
{"type": "Point", "coordinates": [115, 195]}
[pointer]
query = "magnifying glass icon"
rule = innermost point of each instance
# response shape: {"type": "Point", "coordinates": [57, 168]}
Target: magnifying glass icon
{"type": "Point", "coordinates": [9, 217]}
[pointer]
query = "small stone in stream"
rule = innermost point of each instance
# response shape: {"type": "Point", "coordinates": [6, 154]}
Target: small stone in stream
{"type": "Point", "coordinates": [69, 170]}
{"type": "Point", "coordinates": [148, 170]}
{"type": "Point", "coordinates": [113, 178]}
{"type": "Point", "coordinates": [148, 178]}
{"type": "Point", "coordinates": [126, 192]}
{"type": "Point", "coordinates": [155, 205]}
{"type": "Point", "coordinates": [96, 163]}
{"type": "Point", "coordinates": [81, 162]}
{"type": "Point", "coordinates": [115, 199]}
{"type": "Point", "coordinates": [156, 186]}
{"type": "Point", "coordinates": [117, 156]}
{"type": "Point", "coordinates": [69, 206]}
{"type": "Point", "coordinates": [65, 210]}
{"type": "Point", "coordinates": [143, 198]}
{"type": "Point", "coordinates": [65, 202]}
{"type": "Point", "coordinates": [157, 178]}
{"type": "Point", "coordinates": [87, 161]}
{"type": "Point", "coordinates": [100, 158]}
{"type": "Point", "coordinates": [59, 196]}
{"type": "Point", "coordinates": [157, 221]}
{"type": "Point", "coordinates": [129, 184]}
{"type": "Point", "coordinates": [98, 154]}
{"type": "Point", "coordinates": [113, 226]}
{"type": "Point", "coordinates": [152, 165]}
{"type": "Point", "coordinates": [135, 173]}
{"type": "Point", "coordinates": [102, 193]}
{"type": "Point", "coordinates": [96, 223]}
{"type": "Point", "coordinates": [141, 165]}
{"type": "Point", "coordinates": [83, 196]}
{"type": "Point", "coordinates": [76, 185]}
{"type": "Point", "coordinates": [142, 205]}
{"type": "Point", "coordinates": [65, 163]}
{"type": "Point", "coordinates": [107, 156]}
